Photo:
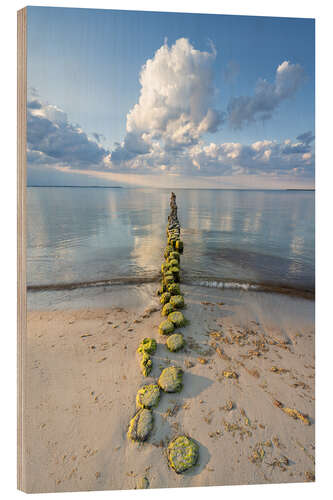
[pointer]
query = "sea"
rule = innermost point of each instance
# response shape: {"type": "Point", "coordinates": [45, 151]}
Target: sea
{"type": "Point", "coordinates": [90, 237]}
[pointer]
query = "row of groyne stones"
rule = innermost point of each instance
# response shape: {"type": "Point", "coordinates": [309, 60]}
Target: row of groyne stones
{"type": "Point", "coordinates": [182, 451]}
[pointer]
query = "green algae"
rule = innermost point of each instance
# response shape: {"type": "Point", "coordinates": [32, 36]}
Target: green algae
{"type": "Point", "coordinates": [148, 396]}
{"type": "Point", "coordinates": [146, 364]}
{"type": "Point", "coordinates": [171, 379]}
{"type": "Point", "coordinates": [175, 342]}
{"type": "Point", "coordinates": [167, 309]}
{"type": "Point", "coordinates": [168, 280]}
{"type": "Point", "coordinates": [164, 267]}
{"type": "Point", "coordinates": [175, 273]}
{"type": "Point", "coordinates": [177, 301]}
{"type": "Point", "coordinates": [166, 327]}
{"type": "Point", "coordinates": [147, 345]}
{"type": "Point", "coordinates": [175, 255]}
{"type": "Point", "coordinates": [174, 289]}
{"type": "Point", "coordinates": [173, 263]}
{"type": "Point", "coordinates": [167, 251]}
{"type": "Point", "coordinates": [140, 425]}
{"type": "Point", "coordinates": [177, 318]}
{"type": "Point", "coordinates": [165, 298]}
{"type": "Point", "coordinates": [183, 453]}
{"type": "Point", "coordinates": [179, 245]}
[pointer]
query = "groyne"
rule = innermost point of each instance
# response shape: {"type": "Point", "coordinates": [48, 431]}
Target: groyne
{"type": "Point", "coordinates": [182, 451]}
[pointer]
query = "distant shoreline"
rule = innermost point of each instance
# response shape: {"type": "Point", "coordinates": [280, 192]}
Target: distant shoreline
{"type": "Point", "coordinates": [102, 187]}
{"type": "Point", "coordinates": [176, 189]}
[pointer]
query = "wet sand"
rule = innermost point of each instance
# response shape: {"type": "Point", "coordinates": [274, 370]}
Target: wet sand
{"type": "Point", "coordinates": [82, 375]}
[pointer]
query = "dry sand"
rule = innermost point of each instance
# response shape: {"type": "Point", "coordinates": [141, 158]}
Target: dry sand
{"type": "Point", "coordinates": [82, 375]}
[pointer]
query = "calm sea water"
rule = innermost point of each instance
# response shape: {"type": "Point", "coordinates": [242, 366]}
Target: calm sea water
{"type": "Point", "coordinates": [231, 238]}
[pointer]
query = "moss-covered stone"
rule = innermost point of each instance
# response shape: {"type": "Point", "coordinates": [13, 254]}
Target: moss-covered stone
{"type": "Point", "coordinates": [164, 267]}
{"type": "Point", "coordinates": [148, 396]}
{"type": "Point", "coordinates": [177, 301]}
{"type": "Point", "coordinates": [146, 364]}
{"type": "Point", "coordinates": [175, 342]}
{"type": "Point", "coordinates": [147, 345]}
{"type": "Point", "coordinates": [173, 263]}
{"type": "Point", "coordinates": [175, 273]}
{"type": "Point", "coordinates": [165, 298]}
{"type": "Point", "coordinates": [179, 246]}
{"type": "Point", "coordinates": [183, 453]}
{"type": "Point", "coordinates": [174, 289]}
{"type": "Point", "coordinates": [166, 327]}
{"type": "Point", "coordinates": [141, 425]}
{"type": "Point", "coordinates": [171, 379]}
{"type": "Point", "coordinates": [168, 280]}
{"type": "Point", "coordinates": [167, 309]}
{"type": "Point", "coordinates": [174, 255]}
{"type": "Point", "coordinates": [177, 318]}
{"type": "Point", "coordinates": [167, 251]}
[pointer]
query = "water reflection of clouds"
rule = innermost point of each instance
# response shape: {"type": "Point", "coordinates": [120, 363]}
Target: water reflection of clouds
{"type": "Point", "coordinates": [147, 253]}
{"type": "Point", "coordinates": [148, 246]}
{"type": "Point", "coordinates": [297, 245]}
{"type": "Point", "coordinates": [226, 223]}
{"type": "Point", "coordinates": [252, 223]}
{"type": "Point", "coordinates": [94, 234]}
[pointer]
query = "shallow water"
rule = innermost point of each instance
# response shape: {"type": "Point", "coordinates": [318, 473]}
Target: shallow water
{"type": "Point", "coordinates": [82, 235]}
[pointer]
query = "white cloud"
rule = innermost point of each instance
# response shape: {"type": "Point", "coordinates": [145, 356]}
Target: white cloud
{"type": "Point", "coordinates": [167, 128]}
{"type": "Point", "coordinates": [52, 139]}
{"type": "Point", "coordinates": [175, 104]}
{"type": "Point", "coordinates": [244, 110]}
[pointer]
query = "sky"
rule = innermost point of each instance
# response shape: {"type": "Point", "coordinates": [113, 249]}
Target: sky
{"type": "Point", "coordinates": [169, 99]}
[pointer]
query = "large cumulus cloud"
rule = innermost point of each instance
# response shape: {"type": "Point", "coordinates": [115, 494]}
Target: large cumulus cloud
{"type": "Point", "coordinates": [175, 104]}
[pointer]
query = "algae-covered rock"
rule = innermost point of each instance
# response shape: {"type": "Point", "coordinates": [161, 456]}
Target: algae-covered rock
{"type": "Point", "coordinates": [166, 327]}
{"type": "Point", "coordinates": [147, 345]}
{"type": "Point", "coordinates": [171, 379]}
{"type": "Point", "coordinates": [182, 453]}
{"type": "Point", "coordinates": [177, 301]}
{"type": "Point", "coordinates": [175, 272]}
{"type": "Point", "coordinates": [175, 342]}
{"type": "Point", "coordinates": [167, 309]}
{"type": "Point", "coordinates": [168, 280]}
{"type": "Point", "coordinates": [146, 364]}
{"type": "Point", "coordinates": [179, 245]}
{"type": "Point", "coordinates": [141, 425]}
{"type": "Point", "coordinates": [148, 396]}
{"type": "Point", "coordinates": [177, 318]}
{"type": "Point", "coordinates": [173, 263]}
{"type": "Point", "coordinates": [174, 255]}
{"type": "Point", "coordinates": [142, 483]}
{"type": "Point", "coordinates": [165, 298]}
{"type": "Point", "coordinates": [174, 289]}
{"type": "Point", "coordinates": [164, 267]}
{"type": "Point", "coordinates": [167, 251]}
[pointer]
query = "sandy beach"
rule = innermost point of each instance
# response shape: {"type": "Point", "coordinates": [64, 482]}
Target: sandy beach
{"type": "Point", "coordinates": [82, 375]}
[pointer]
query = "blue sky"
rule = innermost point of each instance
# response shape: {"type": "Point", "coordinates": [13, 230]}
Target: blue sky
{"type": "Point", "coordinates": [246, 119]}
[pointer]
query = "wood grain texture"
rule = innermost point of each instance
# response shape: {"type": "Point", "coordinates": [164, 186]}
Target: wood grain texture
{"type": "Point", "coordinates": [21, 234]}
